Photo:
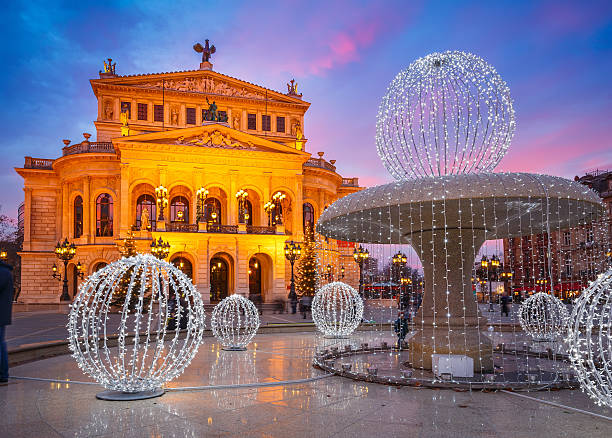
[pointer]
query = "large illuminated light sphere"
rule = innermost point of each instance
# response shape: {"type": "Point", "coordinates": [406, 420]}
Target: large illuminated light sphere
{"type": "Point", "coordinates": [543, 316]}
{"type": "Point", "coordinates": [146, 293]}
{"type": "Point", "coordinates": [590, 339]}
{"type": "Point", "coordinates": [234, 322]}
{"type": "Point", "coordinates": [448, 113]}
{"type": "Point", "coordinates": [337, 309]}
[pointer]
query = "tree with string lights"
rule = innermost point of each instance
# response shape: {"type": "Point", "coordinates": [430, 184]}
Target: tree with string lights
{"type": "Point", "coordinates": [308, 265]}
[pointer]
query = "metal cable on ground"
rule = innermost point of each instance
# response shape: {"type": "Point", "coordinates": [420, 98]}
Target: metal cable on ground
{"type": "Point", "coordinates": [190, 388]}
{"type": "Point", "coordinates": [558, 405]}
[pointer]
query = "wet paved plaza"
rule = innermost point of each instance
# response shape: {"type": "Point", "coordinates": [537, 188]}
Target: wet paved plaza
{"type": "Point", "coordinates": [227, 402]}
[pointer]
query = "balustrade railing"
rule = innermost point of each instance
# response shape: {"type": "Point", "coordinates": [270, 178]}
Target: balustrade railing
{"type": "Point", "coordinates": [218, 228]}
{"type": "Point", "coordinates": [89, 147]}
{"type": "Point", "coordinates": [350, 182]}
{"type": "Point", "coordinates": [320, 163]}
{"type": "Point", "coordinates": [38, 163]}
{"type": "Point", "coordinates": [254, 229]}
{"type": "Point", "coordinates": [182, 227]}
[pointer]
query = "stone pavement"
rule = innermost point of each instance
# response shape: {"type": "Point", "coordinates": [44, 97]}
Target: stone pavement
{"type": "Point", "coordinates": [330, 406]}
{"type": "Point", "coordinates": [43, 326]}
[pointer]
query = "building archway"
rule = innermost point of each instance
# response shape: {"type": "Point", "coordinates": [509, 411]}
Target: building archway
{"type": "Point", "coordinates": [260, 277]}
{"type": "Point", "coordinates": [184, 265]}
{"type": "Point", "coordinates": [221, 284]}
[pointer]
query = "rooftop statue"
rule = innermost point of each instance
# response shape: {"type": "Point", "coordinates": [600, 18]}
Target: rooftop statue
{"type": "Point", "coordinates": [205, 50]}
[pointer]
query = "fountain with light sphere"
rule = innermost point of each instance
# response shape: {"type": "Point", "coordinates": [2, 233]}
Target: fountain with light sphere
{"type": "Point", "coordinates": [442, 128]}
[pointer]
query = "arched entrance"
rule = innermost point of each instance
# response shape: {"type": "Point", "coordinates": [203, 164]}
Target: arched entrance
{"type": "Point", "coordinates": [260, 277]}
{"type": "Point", "coordinates": [219, 279]}
{"type": "Point", "coordinates": [184, 265]}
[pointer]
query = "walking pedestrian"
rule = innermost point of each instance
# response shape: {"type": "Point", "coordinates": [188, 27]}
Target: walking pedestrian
{"type": "Point", "coordinates": [400, 326]}
{"type": "Point", "coordinates": [6, 307]}
{"type": "Point", "coordinates": [505, 301]}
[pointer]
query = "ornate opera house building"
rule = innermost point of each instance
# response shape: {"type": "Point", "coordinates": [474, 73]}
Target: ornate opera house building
{"type": "Point", "coordinates": [215, 166]}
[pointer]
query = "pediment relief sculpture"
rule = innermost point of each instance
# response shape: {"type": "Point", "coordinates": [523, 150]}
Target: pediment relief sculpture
{"type": "Point", "coordinates": [215, 139]}
{"type": "Point", "coordinates": [203, 85]}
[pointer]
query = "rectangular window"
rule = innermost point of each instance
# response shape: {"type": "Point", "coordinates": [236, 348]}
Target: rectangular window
{"type": "Point", "coordinates": [252, 121]}
{"type": "Point", "coordinates": [222, 116]}
{"type": "Point", "coordinates": [567, 238]}
{"type": "Point", "coordinates": [265, 122]}
{"type": "Point", "coordinates": [127, 107]}
{"type": "Point", "coordinates": [589, 235]}
{"type": "Point", "coordinates": [191, 116]}
{"type": "Point", "coordinates": [568, 265]}
{"type": "Point", "coordinates": [280, 124]}
{"type": "Point", "coordinates": [158, 113]}
{"type": "Point", "coordinates": [142, 111]}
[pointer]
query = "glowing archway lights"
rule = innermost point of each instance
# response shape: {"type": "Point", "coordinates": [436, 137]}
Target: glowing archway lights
{"type": "Point", "coordinates": [590, 339]}
{"type": "Point", "coordinates": [448, 113]}
{"type": "Point", "coordinates": [148, 354]}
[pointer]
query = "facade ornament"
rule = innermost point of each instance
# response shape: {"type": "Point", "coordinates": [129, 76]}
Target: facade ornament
{"type": "Point", "coordinates": [108, 110]}
{"type": "Point", "coordinates": [292, 87]}
{"type": "Point", "coordinates": [237, 123]}
{"type": "Point", "coordinates": [205, 50]}
{"type": "Point", "coordinates": [174, 116]}
{"type": "Point", "coordinates": [144, 219]}
{"type": "Point", "coordinates": [203, 85]}
{"type": "Point", "coordinates": [212, 115]}
{"type": "Point", "coordinates": [109, 69]}
{"type": "Point", "coordinates": [125, 128]}
{"type": "Point", "coordinates": [214, 139]}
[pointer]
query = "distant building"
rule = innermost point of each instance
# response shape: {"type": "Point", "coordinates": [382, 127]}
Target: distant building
{"type": "Point", "coordinates": [569, 259]}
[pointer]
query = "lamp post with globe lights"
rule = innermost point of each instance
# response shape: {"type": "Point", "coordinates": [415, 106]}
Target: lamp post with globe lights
{"type": "Point", "coordinates": [489, 270]}
{"type": "Point", "coordinates": [161, 193]}
{"type": "Point", "coordinates": [201, 196]}
{"type": "Point", "coordinates": [160, 249]}
{"type": "Point", "coordinates": [65, 251]}
{"type": "Point", "coordinates": [360, 255]}
{"type": "Point", "coordinates": [243, 214]}
{"type": "Point", "coordinates": [292, 253]}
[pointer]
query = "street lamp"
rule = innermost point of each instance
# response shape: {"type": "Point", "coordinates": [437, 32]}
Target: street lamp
{"type": "Point", "coordinates": [161, 193]}
{"type": "Point", "coordinates": [490, 268]}
{"type": "Point", "coordinates": [329, 272]}
{"type": "Point", "coordinates": [268, 207]}
{"type": "Point", "coordinates": [342, 272]}
{"type": "Point", "coordinates": [399, 261]}
{"type": "Point", "coordinates": [360, 255]}
{"type": "Point", "coordinates": [292, 253]}
{"type": "Point", "coordinates": [201, 196]}
{"type": "Point", "coordinates": [243, 215]}
{"type": "Point", "coordinates": [160, 249]}
{"type": "Point", "coordinates": [277, 200]}
{"type": "Point", "coordinates": [64, 251]}
{"type": "Point", "coordinates": [3, 255]}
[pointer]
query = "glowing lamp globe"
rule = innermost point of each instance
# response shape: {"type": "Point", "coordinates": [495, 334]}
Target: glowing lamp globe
{"type": "Point", "coordinates": [448, 113]}
{"type": "Point", "coordinates": [337, 309]}
{"type": "Point", "coordinates": [234, 322]}
{"type": "Point", "coordinates": [135, 354]}
{"type": "Point", "coordinates": [590, 340]}
{"type": "Point", "coordinates": [543, 316]}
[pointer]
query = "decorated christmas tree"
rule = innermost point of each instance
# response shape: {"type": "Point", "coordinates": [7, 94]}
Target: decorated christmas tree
{"type": "Point", "coordinates": [128, 249]}
{"type": "Point", "coordinates": [307, 281]}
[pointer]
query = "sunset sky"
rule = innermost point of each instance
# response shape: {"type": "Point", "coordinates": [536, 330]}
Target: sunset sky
{"type": "Point", "coordinates": [555, 57]}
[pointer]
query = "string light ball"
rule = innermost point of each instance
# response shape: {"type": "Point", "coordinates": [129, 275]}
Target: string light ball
{"type": "Point", "coordinates": [448, 113]}
{"type": "Point", "coordinates": [543, 316]}
{"type": "Point", "coordinates": [590, 340]}
{"type": "Point", "coordinates": [147, 354]}
{"type": "Point", "coordinates": [234, 322]}
{"type": "Point", "coordinates": [337, 309]}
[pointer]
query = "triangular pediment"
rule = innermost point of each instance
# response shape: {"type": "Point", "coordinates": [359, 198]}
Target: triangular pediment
{"type": "Point", "coordinates": [210, 135]}
{"type": "Point", "coordinates": [205, 82]}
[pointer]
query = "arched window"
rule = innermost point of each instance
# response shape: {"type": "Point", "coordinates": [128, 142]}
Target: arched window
{"type": "Point", "coordinates": [212, 211]}
{"type": "Point", "coordinates": [146, 202]}
{"type": "Point", "coordinates": [184, 265]}
{"type": "Point", "coordinates": [179, 209]}
{"type": "Point", "coordinates": [308, 215]}
{"type": "Point", "coordinates": [78, 217]}
{"type": "Point", "coordinates": [99, 266]}
{"type": "Point", "coordinates": [248, 211]}
{"type": "Point", "coordinates": [104, 215]}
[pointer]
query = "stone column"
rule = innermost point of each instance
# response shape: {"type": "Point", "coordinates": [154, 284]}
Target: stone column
{"type": "Point", "coordinates": [124, 214]}
{"type": "Point", "coordinates": [27, 218]}
{"type": "Point", "coordinates": [243, 120]}
{"type": "Point", "coordinates": [86, 210]}
{"type": "Point", "coordinates": [449, 321]}
{"type": "Point", "coordinates": [66, 228]}
{"type": "Point", "coordinates": [232, 202]}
